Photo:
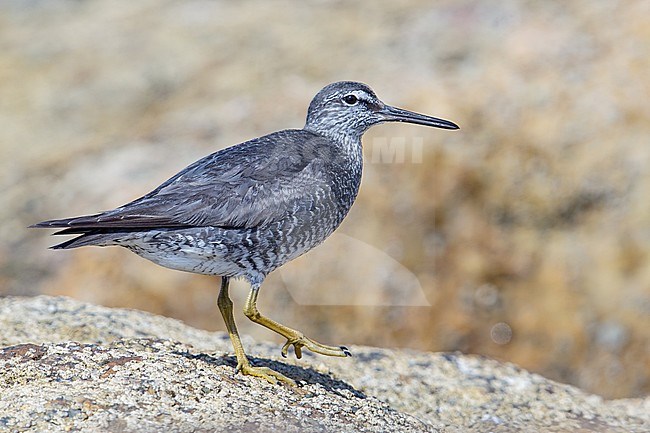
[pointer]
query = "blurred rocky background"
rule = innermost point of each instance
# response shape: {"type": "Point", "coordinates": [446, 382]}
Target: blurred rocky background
{"type": "Point", "coordinates": [524, 237]}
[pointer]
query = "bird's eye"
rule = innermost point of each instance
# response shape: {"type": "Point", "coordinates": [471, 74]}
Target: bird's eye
{"type": "Point", "coordinates": [350, 99]}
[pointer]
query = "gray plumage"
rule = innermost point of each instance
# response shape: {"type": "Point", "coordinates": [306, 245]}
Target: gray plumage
{"type": "Point", "coordinates": [246, 210]}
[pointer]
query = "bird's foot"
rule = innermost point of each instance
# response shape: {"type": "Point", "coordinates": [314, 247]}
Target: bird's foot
{"type": "Point", "coordinates": [299, 341]}
{"type": "Point", "coordinates": [265, 373]}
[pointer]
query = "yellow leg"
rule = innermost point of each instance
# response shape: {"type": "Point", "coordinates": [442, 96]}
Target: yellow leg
{"type": "Point", "coordinates": [243, 365]}
{"type": "Point", "coordinates": [294, 338]}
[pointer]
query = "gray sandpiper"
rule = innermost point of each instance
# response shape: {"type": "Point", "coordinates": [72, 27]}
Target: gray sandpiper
{"type": "Point", "coordinates": [248, 209]}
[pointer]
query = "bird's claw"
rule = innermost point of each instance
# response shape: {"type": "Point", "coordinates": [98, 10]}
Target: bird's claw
{"type": "Point", "coordinates": [265, 373]}
{"type": "Point", "coordinates": [297, 348]}
{"type": "Point", "coordinates": [300, 341]}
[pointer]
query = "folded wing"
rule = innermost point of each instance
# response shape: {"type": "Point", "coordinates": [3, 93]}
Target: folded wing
{"type": "Point", "coordinates": [243, 186]}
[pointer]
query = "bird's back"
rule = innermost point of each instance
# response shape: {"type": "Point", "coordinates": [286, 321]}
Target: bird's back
{"type": "Point", "coordinates": [275, 197]}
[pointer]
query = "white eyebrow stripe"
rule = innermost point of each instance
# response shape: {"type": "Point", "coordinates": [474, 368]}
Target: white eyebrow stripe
{"type": "Point", "coordinates": [360, 94]}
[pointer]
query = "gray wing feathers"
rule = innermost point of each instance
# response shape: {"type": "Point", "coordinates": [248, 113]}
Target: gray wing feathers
{"type": "Point", "coordinates": [238, 187]}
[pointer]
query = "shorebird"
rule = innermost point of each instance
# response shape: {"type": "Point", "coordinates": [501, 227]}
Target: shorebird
{"type": "Point", "coordinates": [248, 209]}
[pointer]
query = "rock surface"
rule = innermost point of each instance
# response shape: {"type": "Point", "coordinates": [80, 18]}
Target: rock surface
{"type": "Point", "coordinates": [71, 366]}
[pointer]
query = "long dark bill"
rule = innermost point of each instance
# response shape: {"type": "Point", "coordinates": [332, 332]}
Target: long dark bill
{"type": "Point", "coordinates": [394, 114]}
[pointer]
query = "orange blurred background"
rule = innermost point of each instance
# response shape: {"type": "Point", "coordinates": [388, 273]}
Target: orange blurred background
{"type": "Point", "coordinates": [528, 231]}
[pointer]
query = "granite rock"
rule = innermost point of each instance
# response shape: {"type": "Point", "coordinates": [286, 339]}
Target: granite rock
{"type": "Point", "coordinates": [71, 366]}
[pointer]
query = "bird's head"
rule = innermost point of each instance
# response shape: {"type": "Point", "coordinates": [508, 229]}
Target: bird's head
{"type": "Point", "coordinates": [348, 108]}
